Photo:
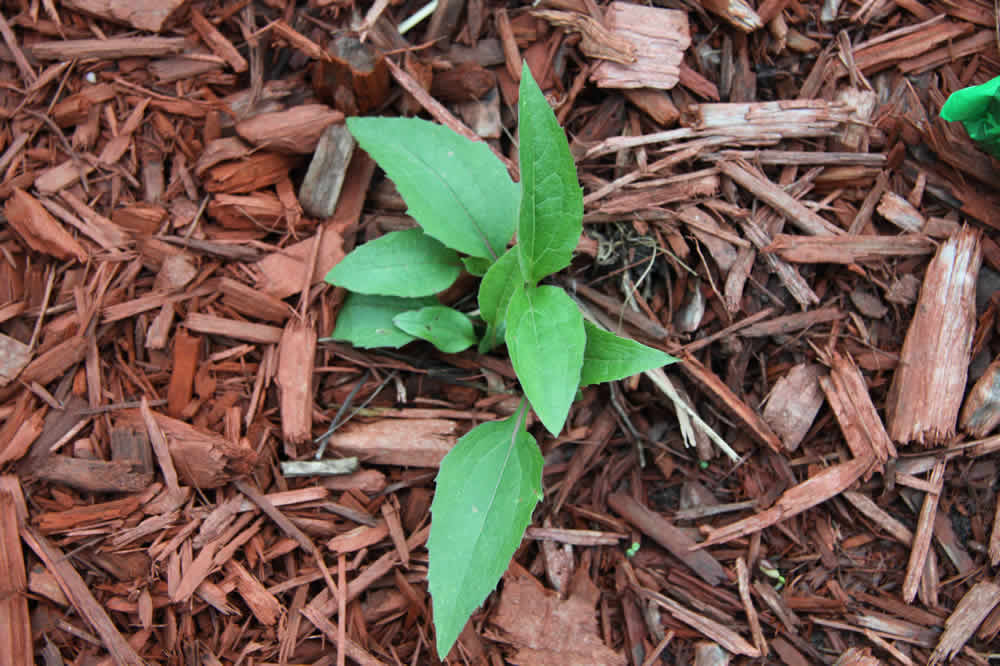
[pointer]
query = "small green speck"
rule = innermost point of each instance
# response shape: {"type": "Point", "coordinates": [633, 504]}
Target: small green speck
{"type": "Point", "coordinates": [703, 464]}
{"type": "Point", "coordinates": [633, 549]}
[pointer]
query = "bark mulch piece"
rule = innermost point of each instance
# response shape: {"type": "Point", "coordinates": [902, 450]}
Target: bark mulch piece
{"type": "Point", "coordinates": [769, 194]}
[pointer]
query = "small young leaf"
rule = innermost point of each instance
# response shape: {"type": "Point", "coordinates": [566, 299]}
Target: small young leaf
{"type": "Point", "coordinates": [545, 338]}
{"type": "Point", "coordinates": [608, 357]}
{"type": "Point", "coordinates": [366, 321]}
{"type": "Point", "coordinates": [551, 219]}
{"type": "Point", "coordinates": [456, 189]}
{"type": "Point", "coordinates": [447, 329]}
{"type": "Point", "coordinates": [477, 265]}
{"type": "Point", "coordinates": [498, 286]}
{"type": "Point", "coordinates": [494, 295]}
{"type": "Point", "coordinates": [487, 487]}
{"type": "Point", "coordinates": [401, 263]}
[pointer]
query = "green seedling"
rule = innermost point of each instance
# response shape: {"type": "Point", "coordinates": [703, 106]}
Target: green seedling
{"type": "Point", "coordinates": [469, 209]}
{"type": "Point", "coordinates": [773, 573]}
{"type": "Point", "coordinates": [978, 108]}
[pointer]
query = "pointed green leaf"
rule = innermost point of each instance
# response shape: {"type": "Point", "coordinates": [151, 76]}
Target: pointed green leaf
{"type": "Point", "coordinates": [551, 218]}
{"type": "Point", "coordinates": [497, 287]}
{"type": "Point", "coordinates": [366, 321]}
{"type": "Point", "coordinates": [608, 357]}
{"type": "Point", "coordinates": [456, 189]}
{"type": "Point", "coordinates": [545, 338]}
{"type": "Point", "coordinates": [447, 329]}
{"type": "Point", "coordinates": [487, 487]}
{"type": "Point", "coordinates": [401, 263]}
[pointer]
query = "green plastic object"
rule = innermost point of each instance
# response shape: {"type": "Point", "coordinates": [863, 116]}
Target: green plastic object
{"type": "Point", "coordinates": [978, 109]}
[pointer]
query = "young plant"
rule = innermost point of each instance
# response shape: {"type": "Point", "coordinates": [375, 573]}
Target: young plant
{"type": "Point", "coordinates": [465, 202]}
{"type": "Point", "coordinates": [978, 108]}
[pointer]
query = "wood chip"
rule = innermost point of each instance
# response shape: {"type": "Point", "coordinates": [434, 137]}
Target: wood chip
{"type": "Point", "coordinates": [927, 387]}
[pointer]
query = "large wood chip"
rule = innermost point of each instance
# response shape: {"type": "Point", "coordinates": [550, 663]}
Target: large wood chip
{"type": "Point", "coordinates": [39, 229]}
{"type": "Point", "coordinates": [929, 382]}
{"type": "Point", "coordinates": [658, 38]}
{"type": "Point", "coordinates": [544, 629]}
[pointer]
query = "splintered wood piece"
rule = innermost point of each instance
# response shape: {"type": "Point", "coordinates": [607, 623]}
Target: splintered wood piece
{"type": "Point", "coordinates": [295, 131]}
{"type": "Point", "coordinates": [410, 442]}
{"type": "Point", "coordinates": [108, 49]}
{"type": "Point", "coordinates": [816, 490]}
{"type": "Point", "coordinates": [162, 451]}
{"type": "Point", "coordinates": [79, 594]}
{"type": "Point", "coordinates": [15, 624]}
{"type": "Point", "coordinates": [970, 612]}
{"type": "Point", "coordinates": [656, 104]}
{"type": "Point", "coordinates": [981, 412]}
{"type": "Point", "coordinates": [736, 13]}
{"type": "Point", "coordinates": [54, 363]}
{"type": "Point", "coordinates": [151, 16]}
{"type": "Point", "coordinates": [88, 514]}
{"type": "Point", "coordinates": [327, 171]}
{"type": "Point", "coordinates": [794, 118]}
{"type": "Point", "coordinates": [848, 249]}
{"type": "Point", "coordinates": [659, 38]}
{"type": "Point", "coordinates": [360, 537]}
{"type": "Point", "coordinates": [264, 605]}
{"type": "Point", "coordinates": [708, 627]}
{"type": "Point", "coordinates": [296, 359]}
{"type": "Point", "coordinates": [39, 229]}
{"type": "Point", "coordinates": [14, 357]}
{"type": "Point", "coordinates": [200, 322]}
{"type": "Point", "coordinates": [672, 538]}
{"type": "Point", "coordinates": [848, 395]}
{"type": "Point", "coordinates": [246, 211]}
{"type": "Point", "coordinates": [793, 403]}
{"type": "Point", "coordinates": [994, 547]}
{"type": "Point", "coordinates": [252, 302]}
{"type": "Point", "coordinates": [722, 395]}
{"type": "Point", "coordinates": [96, 476]}
{"type": "Point", "coordinates": [202, 459]}
{"type": "Point", "coordinates": [926, 393]}
{"type": "Point", "coordinates": [925, 530]}
{"type": "Point", "coordinates": [901, 212]}
{"type": "Point", "coordinates": [776, 197]}
{"type": "Point", "coordinates": [27, 432]}
{"type": "Point", "coordinates": [596, 41]}
{"type": "Point", "coordinates": [251, 173]}
{"type": "Point", "coordinates": [216, 41]}
{"type": "Point", "coordinates": [743, 581]}
{"type": "Point", "coordinates": [187, 353]}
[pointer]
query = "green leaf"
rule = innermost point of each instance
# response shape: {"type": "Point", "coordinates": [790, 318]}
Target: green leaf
{"type": "Point", "coordinates": [978, 107]}
{"type": "Point", "coordinates": [487, 487]}
{"type": "Point", "coordinates": [401, 263]}
{"type": "Point", "coordinates": [498, 285]}
{"type": "Point", "coordinates": [366, 321]}
{"type": "Point", "coordinates": [477, 265]}
{"type": "Point", "coordinates": [456, 189]}
{"type": "Point", "coordinates": [447, 329]}
{"type": "Point", "coordinates": [608, 357]}
{"type": "Point", "coordinates": [546, 339]}
{"type": "Point", "coordinates": [551, 219]}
